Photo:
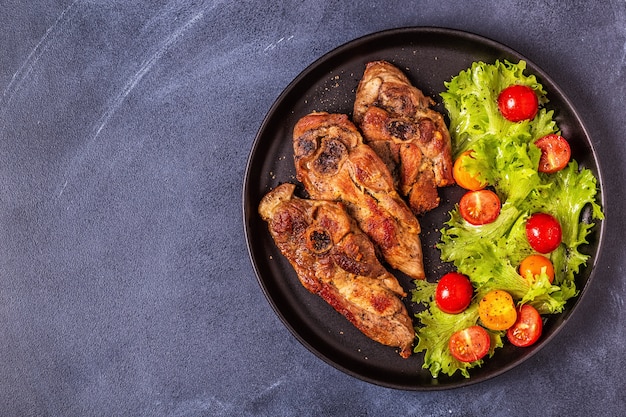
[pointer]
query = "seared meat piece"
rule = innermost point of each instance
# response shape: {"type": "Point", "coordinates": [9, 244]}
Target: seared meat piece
{"type": "Point", "coordinates": [335, 260]}
{"type": "Point", "coordinates": [333, 164]}
{"type": "Point", "coordinates": [413, 140]}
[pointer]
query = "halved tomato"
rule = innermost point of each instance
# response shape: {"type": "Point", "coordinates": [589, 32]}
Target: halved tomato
{"type": "Point", "coordinates": [527, 328]}
{"type": "Point", "coordinates": [463, 178]}
{"type": "Point", "coordinates": [555, 153]}
{"type": "Point", "coordinates": [480, 207]}
{"type": "Point", "coordinates": [497, 310]}
{"type": "Point", "coordinates": [470, 344]}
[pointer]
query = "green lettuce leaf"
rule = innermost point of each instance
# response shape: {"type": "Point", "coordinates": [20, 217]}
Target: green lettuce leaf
{"type": "Point", "coordinates": [471, 102]}
{"type": "Point", "coordinates": [504, 155]}
{"type": "Point", "coordinates": [436, 330]}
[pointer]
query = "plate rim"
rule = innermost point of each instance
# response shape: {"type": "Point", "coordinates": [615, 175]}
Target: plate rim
{"type": "Point", "coordinates": [599, 228]}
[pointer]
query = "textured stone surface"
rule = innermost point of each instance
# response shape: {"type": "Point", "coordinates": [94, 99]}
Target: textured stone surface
{"type": "Point", "coordinates": [125, 283]}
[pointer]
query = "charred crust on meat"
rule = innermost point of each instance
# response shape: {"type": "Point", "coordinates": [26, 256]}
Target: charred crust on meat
{"type": "Point", "coordinates": [427, 130]}
{"type": "Point", "coordinates": [327, 162]}
{"type": "Point", "coordinates": [306, 145]}
{"type": "Point", "coordinates": [289, 222]}
{"type": "Point", "coordinates": [349, 264]}
{"type": "Point", "coordinates": [318, 240]}
{"type": "Point", "coordinates": [400, 129]}
{"type": "Point", "coordinates": [397, 99]}
{"type": "Point", "coordinates": [380, 303]}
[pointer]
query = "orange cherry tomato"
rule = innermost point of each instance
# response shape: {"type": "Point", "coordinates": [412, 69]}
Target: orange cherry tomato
{"type": "Point", "coordinates": [462, 177]}
{"type": "Point", "coordinates": [532, 265]}
{"type": "Point", "coordinates": [470, 344]}
{"type": "Point", "coordinates": [479, 207]}
{"type": "Point", "coordinates": [497, 310]}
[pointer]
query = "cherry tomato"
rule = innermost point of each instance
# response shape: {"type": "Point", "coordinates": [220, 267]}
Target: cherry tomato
{"type": "Point", "coordinates": [462, 177]}
{"type": "Point", "coordinates": [454, 293]}
{"type": "Point", "coordinates": [527, 328]}
{"type": "Point", "coordinates": [555, 153]}
{"type": "Point", "coordinates": [479, 207]}
{"type": "Point", "coordinates": [497, 310]}
{"type": "Point", "coordinates": [532, 266]}
{"type": "Point", "coordinates": [518, 102]}
{"type": "Point", "coordinates": [543, 232]}
{"type": "Point", "coordinates": [469, 345]}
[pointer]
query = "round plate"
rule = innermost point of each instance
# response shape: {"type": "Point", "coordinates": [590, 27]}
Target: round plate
{"type": "Point", "coordinates": [429, 57]}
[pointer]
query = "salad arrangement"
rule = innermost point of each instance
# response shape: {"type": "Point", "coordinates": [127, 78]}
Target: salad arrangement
{"type": "Point", "coordinates": [514, 237]}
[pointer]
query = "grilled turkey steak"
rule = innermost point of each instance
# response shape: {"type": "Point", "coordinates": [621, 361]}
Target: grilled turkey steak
{"type": "Point", "coordinates": [334, 164]}
{"type": "Point", "coordinates": [397, 122]}
{"type": "Point", "coordinates": [334, 259]}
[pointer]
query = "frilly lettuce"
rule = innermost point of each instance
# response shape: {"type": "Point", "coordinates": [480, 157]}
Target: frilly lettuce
{"type": "Point", "coordinates": [505, 156]}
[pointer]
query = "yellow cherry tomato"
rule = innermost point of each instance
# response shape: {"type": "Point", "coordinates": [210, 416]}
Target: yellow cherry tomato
{"type": "Point", "coordinates": [532, 266]}
{"type": "Point", "coordinates": [462, 177]}
{"type": "Point", "coordinates": [497, 310]}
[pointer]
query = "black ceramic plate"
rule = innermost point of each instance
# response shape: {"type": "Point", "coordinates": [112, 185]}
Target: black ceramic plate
{"type": "Point", "coordinates": [429, 56]}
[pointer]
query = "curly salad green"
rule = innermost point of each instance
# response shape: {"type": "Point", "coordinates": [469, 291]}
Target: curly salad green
{"type": "Point", "coordinates": [506, 158]}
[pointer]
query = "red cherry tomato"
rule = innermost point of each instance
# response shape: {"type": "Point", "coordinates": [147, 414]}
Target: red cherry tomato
{"type": "Point", "coordinates": [454, 293]}
{"type": "Point", "coordinates": [479, 207]}
{"type": "Point", "coordinates": [555, 153]}
{"type": "Point", "coordinates": [528, 327]}
{"type": "Point", "coordinates": [518, 102]}
{"type": "Point", "coordinates": [469, 345]}
{"type": "Point", "coordinates": [543, 232]}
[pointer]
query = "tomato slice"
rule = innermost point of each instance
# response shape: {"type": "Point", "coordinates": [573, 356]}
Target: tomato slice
{"type": "Point", "coordinates": [454, 293]}
{"type": "Point", "coordinates": [528, 327]}
{"type": "Point", "coordinates": [497, 310]}
{"type": "Point", "coordinates": [532, 265]}
{"type": "Point", "coordinates": [463, 178]}
{"type": "Point", "coordinates": [518, 102]}
{"type": "Point", "coordinates": [543, 232]}
{"type": "Point", "coordinates": [555, 153]}
{"type": "Point", "coordinates": [480, 207]}
{"type": "Point", "coordinates": [470, 344]}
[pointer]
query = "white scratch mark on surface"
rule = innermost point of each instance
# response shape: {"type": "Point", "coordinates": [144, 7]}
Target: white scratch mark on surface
{"type": "Point", "coordinates": [28, 65]}
{"type": "Point", "coordinates": [275, 44]}
{"type": "Point", "coordinates": [274, 385]}
{"type": "Point", "coordinates": [62, 189]}
{"type": "Point", "coordinates": [145, 67]}
{"type": "Point", "coordinates": [131, 83]}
